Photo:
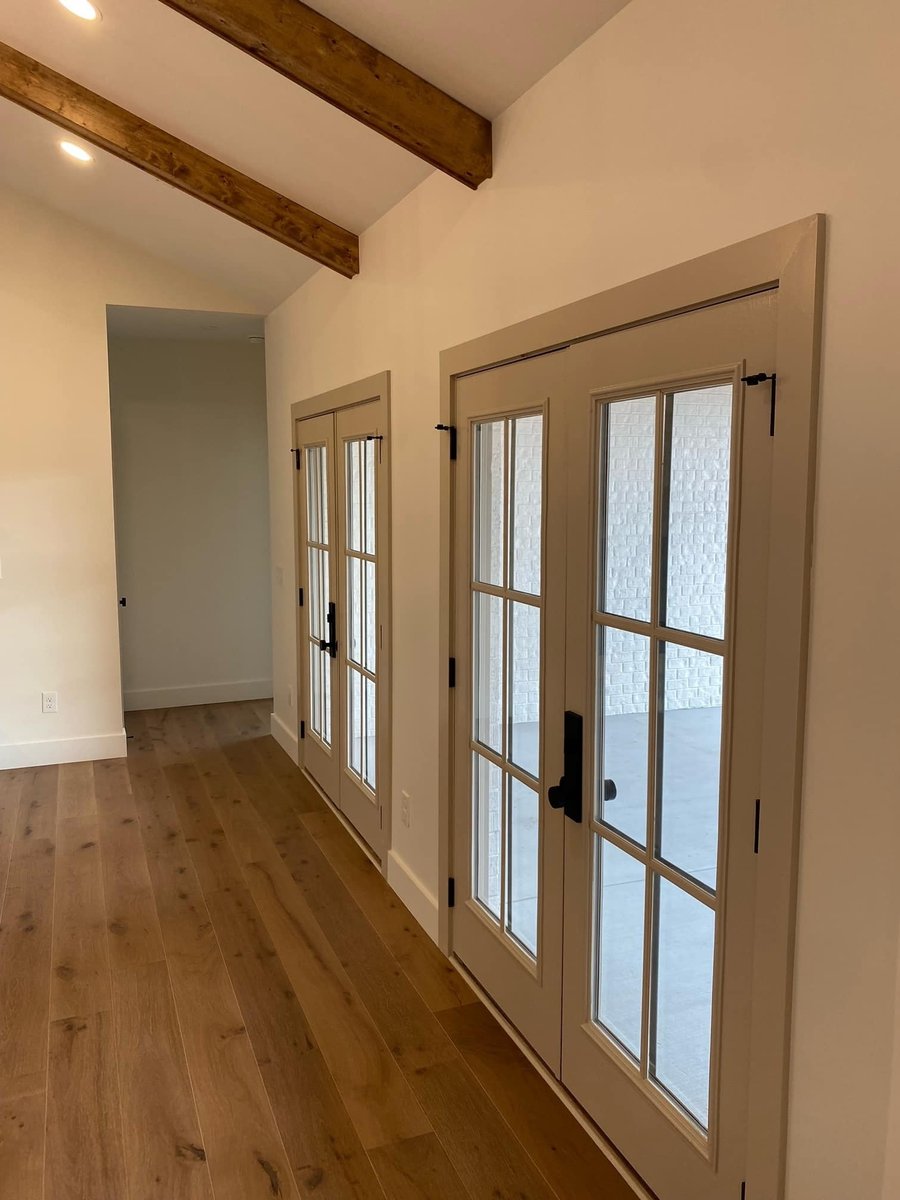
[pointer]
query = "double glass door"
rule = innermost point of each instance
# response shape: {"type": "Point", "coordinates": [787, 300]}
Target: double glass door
{"type": "Point", "coordinates": [611, 545]}
{"type": "Point", "coordinates": [342, 507]}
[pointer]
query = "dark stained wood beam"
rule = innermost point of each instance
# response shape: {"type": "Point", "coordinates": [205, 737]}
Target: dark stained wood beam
{"type": "Point", "coordinates": [74, 108]}
{"type": "Point", "coordinates": [341, 68]}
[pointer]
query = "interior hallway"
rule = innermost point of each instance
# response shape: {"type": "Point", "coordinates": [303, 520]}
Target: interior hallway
{"type": "Point", "coordinates": [207, 990]}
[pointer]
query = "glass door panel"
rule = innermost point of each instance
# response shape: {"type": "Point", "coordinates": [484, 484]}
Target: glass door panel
{"type": "Point", "coordinates": [509, 611]}
{"type": "Point", "coordinates": [343, 636]}
{"type": "Point", "coordinates": [360, 560]}
{"type": "Point", "coordinates": [319, 575]}
{"type": "Point", "coordinates": [506, 668]}
{"type": "Point", "coordinates": [669, 767]}
{"type": "Point", "coordinates": [655, 1033]}
{"type": "Point", "coordinates": [314, 437]}
{"type": "Point", "coordinates": [362, 503]}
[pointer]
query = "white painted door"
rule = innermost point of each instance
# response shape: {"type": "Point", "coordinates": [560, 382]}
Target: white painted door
{"type": "Point", "coordinates": [318, 630]}
{"type": "Point", "coordinates": [343, 633]}
{"type": "Point", "coordinates": [654, 544]}
{"type": "Point", "coordinates": [666, 636]}
{"type": "Point", "coordinates": [510, 628]}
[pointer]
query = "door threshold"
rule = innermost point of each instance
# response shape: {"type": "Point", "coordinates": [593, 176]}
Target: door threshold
{"type": "Point", "coordinates": [593, 1131]}
{"type": "Point", "coordinates": [357, 837]}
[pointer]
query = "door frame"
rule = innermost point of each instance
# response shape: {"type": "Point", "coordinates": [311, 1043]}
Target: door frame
{"type": "Point", "coordinates": [352, 395]}
{"type": "Point", "coordinates": [792, 258]}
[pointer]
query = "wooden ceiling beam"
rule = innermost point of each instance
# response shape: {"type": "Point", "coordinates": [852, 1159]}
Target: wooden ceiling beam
{"type": "Point", "coordinates": [339, 67]}
{"type": "Point", "coordinates": [102, 123]}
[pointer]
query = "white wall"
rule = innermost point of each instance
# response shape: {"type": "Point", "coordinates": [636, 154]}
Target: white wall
{"type": "Point", "coordinates": [677, 129]}
{"type": "Point", "coordinates": [58, 609]}
{"type": "Point", "coordinates": [190, 475]}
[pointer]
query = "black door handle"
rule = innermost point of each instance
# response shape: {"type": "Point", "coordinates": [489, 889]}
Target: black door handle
{"type": "Point", "coordinates": [330, 646]}
{"type": "Point", "coordinates": [567, 793]}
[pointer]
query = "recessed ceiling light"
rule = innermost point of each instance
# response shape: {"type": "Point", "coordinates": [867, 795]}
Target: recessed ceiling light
{"type": "Point", "coordinates": [76, 152]}
{"type": "Point", "coordinates": [82, 8]}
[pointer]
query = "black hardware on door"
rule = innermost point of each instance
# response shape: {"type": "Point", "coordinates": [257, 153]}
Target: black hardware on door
{"type": "Point", "coordinates": [123, 601]}
{"type": "Point", "coordinates": [330, 646]}
{"type": "Point", "coordinates": [567, 794]}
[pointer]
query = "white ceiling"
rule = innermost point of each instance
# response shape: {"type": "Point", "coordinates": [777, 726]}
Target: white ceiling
{"type": "Point", "coordinates": [165, 68]}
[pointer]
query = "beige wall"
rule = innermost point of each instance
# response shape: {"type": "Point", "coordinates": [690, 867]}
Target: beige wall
{"type": "Point", "coordinates": [190, 470]}
{"type": "Point", "coordinates": [677, 129]}
{"type": "Point", "coordinates": [58, 610]}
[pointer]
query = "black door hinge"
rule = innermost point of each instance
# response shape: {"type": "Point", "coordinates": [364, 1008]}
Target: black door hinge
{"type": "Point", "coordinates": [451, 893]}
{"type": "Point", "coordinates": [744, 1190]}
{"type": "Point", "coordinates": [451, 429]}
{"type": "Point", "coordinates": [762, 377]}
{"type": "Point", "coordinates": [302, 730]}
{"type": "Point", "coordinates": [300, 596]}
{"type": "Point", "coordinates": [756, 829]}
{"type": "Point", "coordinates": [451, 674]}
{"type": "Point", "coordinates": [298, 457]}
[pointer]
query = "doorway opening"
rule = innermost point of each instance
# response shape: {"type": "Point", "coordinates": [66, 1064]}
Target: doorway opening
{"type": "Point", "coordinates": [190, 475]}
{"type": "Point", "coordinates": [627, 533]}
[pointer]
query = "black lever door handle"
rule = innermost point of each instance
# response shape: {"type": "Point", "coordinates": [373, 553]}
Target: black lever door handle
{"type": "Point", "coordinates": [567, 793]}
{"type": "Point", "coordinates": [331, 646]}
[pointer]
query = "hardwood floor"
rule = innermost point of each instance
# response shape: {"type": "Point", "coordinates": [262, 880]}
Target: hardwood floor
{"type": "Point", "coordinates": [207, 992]}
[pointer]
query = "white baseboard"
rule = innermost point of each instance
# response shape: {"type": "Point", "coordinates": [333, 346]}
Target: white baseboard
{"type": "Point", "coordinates": [287, 740]}
{"type": "Point", "coordinates": [63, 750]}
{"type": "Point", "coordinates": [415, 895]}
{"type": "Point", "coordinates": [198, 693]}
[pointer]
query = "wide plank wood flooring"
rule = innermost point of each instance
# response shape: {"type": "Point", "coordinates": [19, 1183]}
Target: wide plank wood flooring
{"type": "Point", "coordinates": [207, 992]}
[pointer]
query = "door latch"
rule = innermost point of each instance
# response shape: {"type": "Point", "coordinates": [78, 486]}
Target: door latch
{"type": "Point", "coordinates": [567, 793]}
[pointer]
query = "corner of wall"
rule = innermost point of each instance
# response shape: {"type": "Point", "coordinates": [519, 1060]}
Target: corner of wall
{"type": "Point", "coordinates": [285, 738]}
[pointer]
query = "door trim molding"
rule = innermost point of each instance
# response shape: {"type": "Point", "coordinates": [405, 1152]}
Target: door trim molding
{"type": "Point", "coordinates": [791, 258]}
{"type": "Point", "coordinates": [350, 395]}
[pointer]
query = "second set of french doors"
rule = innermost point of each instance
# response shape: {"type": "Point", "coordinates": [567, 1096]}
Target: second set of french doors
{"type": "Point", "coordinates": [343, 632]}
{"type": "Point", "coordinates": [610, 546]}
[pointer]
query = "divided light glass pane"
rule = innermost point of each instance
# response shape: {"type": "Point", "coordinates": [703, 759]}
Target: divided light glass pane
{"type": "Point", "coordinates": [369, 594]}
{"type": "Point", "coordinates": [354, 721]}
{"type": "Point", "coordinates": [526, 486]}
{"type": "Point", "coordinates": [690, 751]}
{"type": "Point", "coordinates": [487, 799]}
{"type": "Point", "coordinates": [354, 487]}
{"type": "Point", "coordinates": [318, 590]}
{"type": "Point", "coordinates": [699, 482]}
{"type": "Point", "coordinates": [627, 468]}
{"type": "Point", "coordinates": [369, 497]}
{"type": "Point", "coordinates": [354, 610]}
{"type": "Point", "coordinates": [685, 951]}
{"type": "Point", "coordinates": [370, 724]}
{"type": "Point", "coordinates": [523, 864]}
{"type": "Point", "coordinates": [315, 690]}
{"type": "Point", "coordinates": [487, 670]}
{"type": "Point", "coordinates": [623, 716]}
{"type": "Point", "coordinates": [316, 495]}
{"type": "Point", "coordinates": [619, 953]}
{"type": "Point", "coordinates": [489, 473]}
{"type": "Point", "coordinates": [525, 686]}
{"type": "Point", "coordinates": [325, 669]}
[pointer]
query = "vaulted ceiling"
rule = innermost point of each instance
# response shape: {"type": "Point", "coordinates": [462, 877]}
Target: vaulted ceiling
{"type": "Point", "coordinates": [151, 60]}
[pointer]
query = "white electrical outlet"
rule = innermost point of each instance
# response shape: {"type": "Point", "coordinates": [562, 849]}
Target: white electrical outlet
{"type": "Point", "coordinates": [49, 702]}
{"type": "Point", "coordinates": [404, 808]}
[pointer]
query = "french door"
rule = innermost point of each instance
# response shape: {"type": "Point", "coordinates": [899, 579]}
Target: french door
{"type": "Point", "coordinates": [608, 738]}
{"type": "Point", "coordinates": [343, 634]}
